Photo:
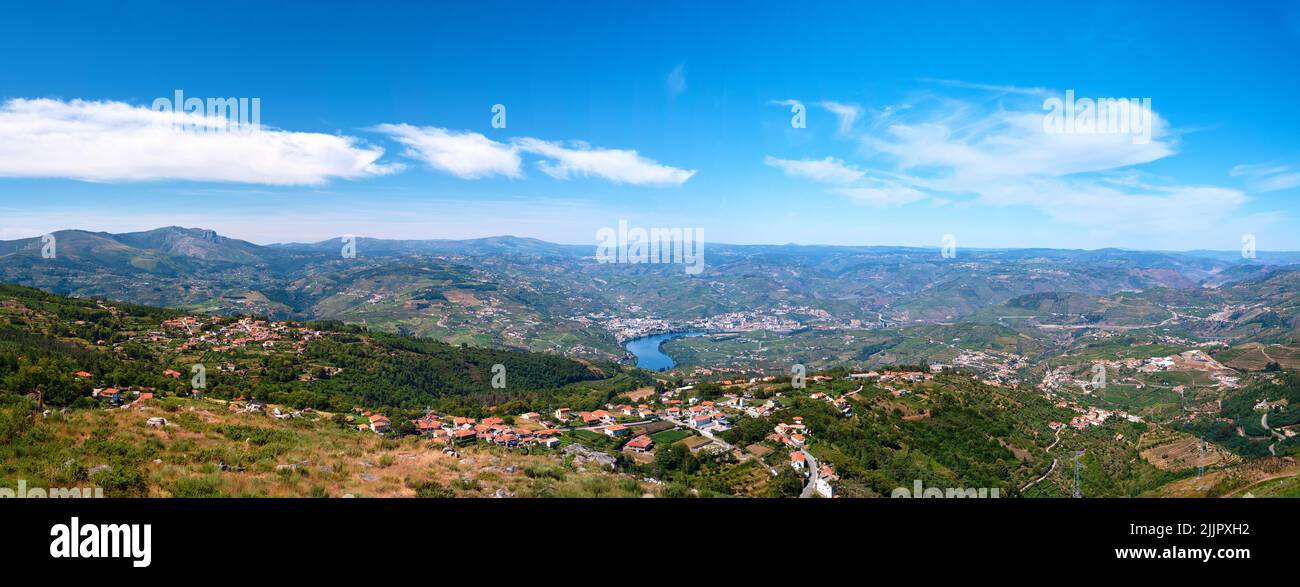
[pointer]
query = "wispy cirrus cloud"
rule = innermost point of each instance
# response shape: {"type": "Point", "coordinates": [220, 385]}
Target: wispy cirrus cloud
{"type": "Point", "coordinates": [845, 114]}
{"type": "Point", "coordinates": [1267, 177]}
{"type": "Point", "coordinates": [883, 195]}
{"type": "Point", "coordinates": [676, 81]}
{"type": "Point", "coordinates": [852, 182]}
{"type": "Point", "coordinates": [993, 88]}
{"type": "Point", "coordinates": [105, 141]}
{"type": "Point", "coordinates": [828, 170]}
{"type": "Point", "coordinates": [999, 153]}
{"type": "Point", "coordinates": [1009, 144]}
{"type": "Point", "coordinates": [1003, 155]}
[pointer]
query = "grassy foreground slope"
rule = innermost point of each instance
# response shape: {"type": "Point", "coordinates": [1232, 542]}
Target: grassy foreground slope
{"type": "Point", "coordinates": [206, 450]}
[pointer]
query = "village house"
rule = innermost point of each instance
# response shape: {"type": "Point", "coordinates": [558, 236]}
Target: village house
{"type": "Point", "coordinates": [427, 424]}
{"type": "Point", "coordinates": [615, 430]}
{"type": "Point", "coordinates": [701, 422]}
{"type": "Point", "coordinates": [642, 443]}
{"type": "Point", "coordinates": [798, 460]}
{"type": "Point", "coordinates": [379, 424]}
{"type": "Point", "coordinates": [825, 476]}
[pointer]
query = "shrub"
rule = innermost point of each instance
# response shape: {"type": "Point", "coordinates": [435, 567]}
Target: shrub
{"type": "Point", "coordinates": [196, 487]}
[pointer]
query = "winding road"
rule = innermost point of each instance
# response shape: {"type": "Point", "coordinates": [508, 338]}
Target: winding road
{"type": "Point", "coordinates": [1054, 461]}
{"type": "Point", "coordinates": [1263, 422]}
{"type": "Point", "coordinates": [811, 487]}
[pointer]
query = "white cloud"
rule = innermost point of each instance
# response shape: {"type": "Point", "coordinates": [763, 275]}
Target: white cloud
{"type": "Point", "coordinates": [846, 114]}
{"type": "Point", "coordinates": [1267, 177]}
{"type": "Point", "coordinates": [470, 155]}
{"type": "Point", "coordinates": [1091, 181]}
{"type": "Point", "coordinates": [1010, 145]}
{"type": "Point", "coordinates": [854, 183]}
{"type": "Point", "coordinates": [1255, 170]}
{"type": "Point", "coordinates": [828, 170]}
{"type": "Point", "coordinates": [959, 153]}
{"type": "Point", "coordinates": [467, 155]}
{"type": "Point", "coordinates": [114, 141]}
{"type": "Point", "coordinates": [616, 165]}
{"type": "Point", "coordinates": [1279, 182]}
{"type": "Point", "coordinates": [993, 88]}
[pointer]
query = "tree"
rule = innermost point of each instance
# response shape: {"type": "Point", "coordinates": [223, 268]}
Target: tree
{"type": "Point", "coordinates": [788, 483]}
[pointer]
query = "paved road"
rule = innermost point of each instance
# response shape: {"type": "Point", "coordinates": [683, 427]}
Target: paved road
{"type": "Point", "coordinates": [811, 487]}
{"type": "Point", "coordinates": [1263, 421]}
{"type": "Point", "coordinates": [600, 426]}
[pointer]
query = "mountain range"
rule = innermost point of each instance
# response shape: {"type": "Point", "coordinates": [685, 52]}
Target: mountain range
{"type": "Point", "coordinates": [529, 294]}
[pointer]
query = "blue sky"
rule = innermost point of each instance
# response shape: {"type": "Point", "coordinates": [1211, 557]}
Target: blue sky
{"type": "Point", "coordinates": [922, 119]}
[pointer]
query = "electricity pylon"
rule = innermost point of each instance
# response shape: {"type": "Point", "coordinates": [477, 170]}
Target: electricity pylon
{"type": "Point", "coordinates": [1078, 492]}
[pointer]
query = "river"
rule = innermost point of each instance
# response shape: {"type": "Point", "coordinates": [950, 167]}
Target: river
{"type": "Point", "coordinates": [647, 351]}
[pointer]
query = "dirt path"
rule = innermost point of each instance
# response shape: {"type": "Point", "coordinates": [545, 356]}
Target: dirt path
{"type": "Point", "coordinates": [1054, 461]}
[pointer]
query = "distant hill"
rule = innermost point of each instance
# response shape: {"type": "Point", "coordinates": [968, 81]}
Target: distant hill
{"type": "Point", "coordinates": [512, 292]}
{"type": "Point", "coordinates": [126, 345]}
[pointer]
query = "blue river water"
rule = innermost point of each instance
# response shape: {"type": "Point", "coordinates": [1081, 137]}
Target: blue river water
{"type": "Point", "coordinates": [647, 351]}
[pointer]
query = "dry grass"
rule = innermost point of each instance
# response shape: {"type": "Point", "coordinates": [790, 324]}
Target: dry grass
{"type": "Point", "coordinates": [640, 394]}
{"type": "Point", "coordinates": [1185, 453]}
{"type": "Point", "coordinates": [310, 456]}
